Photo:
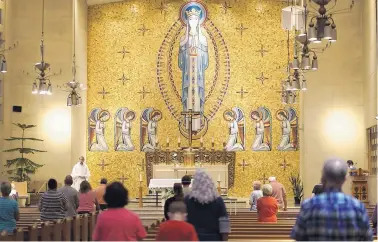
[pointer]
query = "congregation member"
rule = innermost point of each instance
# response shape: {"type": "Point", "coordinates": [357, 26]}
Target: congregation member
{"type": "Point", "coordinates": [279, 193]}
{"type": "Point", "coordinates": [80, 173]}
{"type": "Point", "coordinates": [118, 223]}
{"type": "Point", "coordinates": [72, 196]}
{"type": "Point", "coordinates": [53, 203]}
{"type": "Point", "coordinates": [87, 199]}
{"type": "Point", "coordinates": [318, 189]}
{"type": "Point", "coordinates": [178, 196]}
{"type": "Point", "coordinates": [374, 220]}
{"type": "Point", "coordinates": [100, 192]}
{"type": "Point", "coordinates": [186, 181]}
{"type": "Point", "coordinates": [14, 193]}
{"type": "Point", "coordinates": [267, 206]}
{"type": "Point", "coordinates": [332, 215]}
{"type": "Point", "coordinates": [255, 195]}
{"type": "Point", "coordinates": [206, 209]}
{"type": "Point", "coordinates": [176, 229]}
{"type": "Point", "coordinates": [9, 212]}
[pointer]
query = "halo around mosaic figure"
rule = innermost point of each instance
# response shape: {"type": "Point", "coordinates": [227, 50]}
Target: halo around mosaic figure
{"type": "Point", "coordinates": [193, 5]}
{"type": "Point", "coordinates": [284, 111]}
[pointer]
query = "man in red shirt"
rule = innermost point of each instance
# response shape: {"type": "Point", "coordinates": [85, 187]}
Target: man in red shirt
{"type": "Point", "coordinates": [176, 229]}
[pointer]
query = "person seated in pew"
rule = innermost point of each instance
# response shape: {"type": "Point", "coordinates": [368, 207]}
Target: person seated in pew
{"type": "Point", "coordinates": [318, 189]}
{"type": "Point", "coordinates": [53, 204]}
{"type": "Point", "coordinates": [278, 193]}
{"type": "Point", "coordinates": [267, 206]}
{"type": "Point", "coordinates": [72, 196]}
{"type": "Point", "coordinates": [100, 191]}
{"type": "Point", "coordinates": [333, 215]}
{"type": "Point", "coordinates": [374, 220]}
{"type": "Point", "coordinates": [178, 196]}
{"type": "Point", "coordinates": [206, 209]}
{"type": "Point", "coordinates": [87, 199]}
{"type": "Point", "coordinates": [14, 193]}
{"type": "Point", "coordinates": [9, 212]}
{"type": "Point", "coordinates": [118, 223]}
{"type": "Point", "coordinates": [186, 181]}
{"type": "Point", "coordinates": [255, 195]}
{"type": "Point", "coordinates": [176, 229]}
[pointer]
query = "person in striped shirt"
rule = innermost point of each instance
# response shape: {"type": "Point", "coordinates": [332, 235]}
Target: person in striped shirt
{"type": "Point", "coordinates": [53, 204]}
{"type": "Point", "coordinates": [9, 212]}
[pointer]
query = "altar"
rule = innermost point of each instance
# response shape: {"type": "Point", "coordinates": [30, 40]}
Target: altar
{"type": "Point", "coordinates": [218, 172]}
{"type": "Point", "coordinates": [169, 164]}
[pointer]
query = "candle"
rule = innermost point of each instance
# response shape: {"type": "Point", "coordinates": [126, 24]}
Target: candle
{"type": "Point", "coordinates": [178, 140]}
{"type": "Point", "coordinates": [167, 140]}
{"type": "Point", "coordinates": [140, 177]}
{"type": "Point", "coordinates": [201, 140]}
{"type": "Point", "coordinates": [157, 140]}
{"type": "Point", "coordinates": [212, 140]}
{"type": "Point", "coordinates": [219, 177]}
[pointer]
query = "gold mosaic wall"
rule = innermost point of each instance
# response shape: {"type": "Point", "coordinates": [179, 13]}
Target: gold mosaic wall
{"type": "Point", "coordinates": [114, 26]}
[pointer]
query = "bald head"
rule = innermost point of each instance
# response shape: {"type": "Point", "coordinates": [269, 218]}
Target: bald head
{"type": "Point", "coordinates": [334, 173]}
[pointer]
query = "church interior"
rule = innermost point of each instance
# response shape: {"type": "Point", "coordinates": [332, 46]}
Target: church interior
{"type": "Point", "coordinates": [148, 91]}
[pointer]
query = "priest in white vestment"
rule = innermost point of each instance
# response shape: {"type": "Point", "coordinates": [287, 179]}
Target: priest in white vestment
{"type": "Point", "coordinates": [80, 173]}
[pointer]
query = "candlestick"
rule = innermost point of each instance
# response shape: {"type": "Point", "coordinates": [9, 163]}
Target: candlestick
{"type": "Point", "coordinates": [212, 142]}
{"type": "Point", "coordinates": [219, 178]}
{"type": "Point", "coordinates": [157, 140]}
{"type": "Point", "coordinates": [140, 177]}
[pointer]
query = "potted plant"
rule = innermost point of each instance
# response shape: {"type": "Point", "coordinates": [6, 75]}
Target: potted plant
{"type": "Point", "coordinates": [297, 187]}
{"type": "Point", "coordinates": [21, 167]}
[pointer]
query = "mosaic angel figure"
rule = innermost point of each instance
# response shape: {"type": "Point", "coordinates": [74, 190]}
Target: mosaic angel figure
{"type": "Point", "coordinates": [148, 129]}
{"type": "Point", "coordinates": [236, 125]}
{"type": "Point", "coordinates": [122, 129]}
{"type": "Point", "coordinates": [263, 135]}
{"type": "Point", "coordinates": [289, 126]}
{"type": "Point", "coordinates": [96, 129]}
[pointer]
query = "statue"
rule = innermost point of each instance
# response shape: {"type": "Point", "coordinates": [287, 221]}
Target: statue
{"type": "Point", "coordinates": [193, 61]}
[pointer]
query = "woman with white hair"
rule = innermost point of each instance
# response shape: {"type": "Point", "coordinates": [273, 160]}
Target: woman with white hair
{"type": "Point", "coordinates": [267, 206]}
{"type": "Point", "coordinates": [255, 195]}
{"type": "Point", "coordinates": [14, 193]}
{"type": "Point", "coordinates": [9, 212]}
{"type": "Point", "coordinates": [206, 209]}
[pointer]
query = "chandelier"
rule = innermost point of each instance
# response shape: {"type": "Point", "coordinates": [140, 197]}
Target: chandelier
{"type": "Point", "coordinates": [42, 84]}
{"type": "Point", "coordinates": [322, 26]}
{"type": "Point", "coordinates": [74, 98]}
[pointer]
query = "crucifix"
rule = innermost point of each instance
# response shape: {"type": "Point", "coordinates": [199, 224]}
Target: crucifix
{"type": "Point", "coordinates": [244, 164]}
{"type": "Point", "coordinates": [264, 178]}
{"type": "Point", "coordinates": [190, 114]}
{"type": "Point", "coordinates": [143, 92]}
{"type": "Point", "coordinates": [102, 164]}
{"type": "Point", "coordinates": [122, 179]}
{"type": "Point", "coordinates": [143, 29]}
{"type": "Point", "coordinates": [262, 51]}
{"type": "Point", "coordinates": [261, 78]}
{"type": "Point", "coordinates": [284, 164]}
{"type": "Point", "coordinates": [123, 52]}
{"type": "Point", "coordinates": [103, 92]}
{"type": "Point", "coordinates": [241, 92]}
{"type": "Point", "coordinates": [123, 79]}
{"type": "Point", "coordinates": [241, 28]}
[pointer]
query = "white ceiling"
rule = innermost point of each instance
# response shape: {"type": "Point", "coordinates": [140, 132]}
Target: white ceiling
{"type": "Point", "coordinates": [94, 2]}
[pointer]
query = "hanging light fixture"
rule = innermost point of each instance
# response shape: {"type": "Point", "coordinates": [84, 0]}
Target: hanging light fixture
{"type": "Point", "coordinates": [42, 84]}
{"type": "Point", "coordinates": [74, 99]}
{"type": "Point", "coordinates": [322, 25]}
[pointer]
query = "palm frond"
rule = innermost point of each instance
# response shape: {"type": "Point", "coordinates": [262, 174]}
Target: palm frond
{"type": "Point", "coordinates": [24, 150]}
{"type": "Point", "coordinates": [20, 138]}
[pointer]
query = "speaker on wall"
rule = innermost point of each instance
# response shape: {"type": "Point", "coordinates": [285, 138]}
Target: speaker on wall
{"type": "Point", "coordinates": [17, 109]}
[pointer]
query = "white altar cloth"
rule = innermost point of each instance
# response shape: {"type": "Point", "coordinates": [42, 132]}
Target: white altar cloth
{"type": "Point", "coordinates": [163, 183]}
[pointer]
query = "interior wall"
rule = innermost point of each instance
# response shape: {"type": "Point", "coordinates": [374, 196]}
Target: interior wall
{"type": "Point", "coordinates": [49, 113]}
{"type": "Point", "coordinates": [114, 26]}
{"type": "Point", "coordinates": [334, 105]}
{"type": "Point", "coordinates": [370, 77]}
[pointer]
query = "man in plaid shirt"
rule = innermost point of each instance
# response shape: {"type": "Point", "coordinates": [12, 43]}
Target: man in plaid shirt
{"type": "Point", "coordinates": [332, 215]}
